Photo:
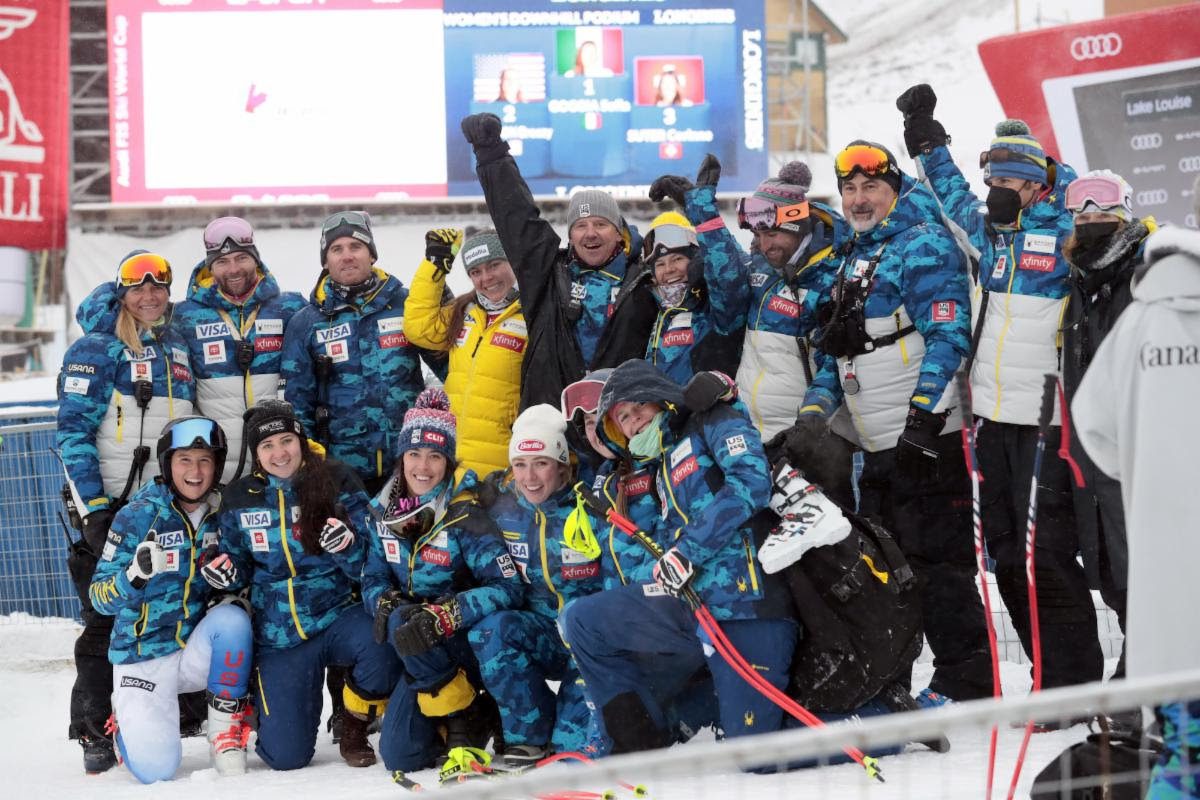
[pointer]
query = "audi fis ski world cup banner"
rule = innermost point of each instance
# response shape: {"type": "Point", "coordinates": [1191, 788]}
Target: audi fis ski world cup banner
{"type": "Point", "coordinates": [34, 118]}
{"type": "Point", "coordinates": [361, 99]}
{"type": "Point", "coordinates": [1121, 93]}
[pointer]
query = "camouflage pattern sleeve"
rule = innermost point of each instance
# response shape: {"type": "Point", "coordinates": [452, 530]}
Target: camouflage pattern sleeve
{"type": "Point", "coordinates": [85, 389]}
{"type": "Point", "coordinates": [296, 369]}
{"type": "Point", "coordinates": [936, 294]}
{"type": "Point", "coordinates": [492, 567]}
{"type": "Point", "coordinates": [376, 574]}
{"type": "Point", "coordinates": [233, 544]}
{"type": "Point", "coordinates": [111, 590]}
{"type": "Point", "coordinates": [954, 195]}
{"type": "Point", "coordinates": [358, 509]}
{"type": "Point", "coordinates": [726, 270]}
{"type": "Point", "coordinates": [824, 394]}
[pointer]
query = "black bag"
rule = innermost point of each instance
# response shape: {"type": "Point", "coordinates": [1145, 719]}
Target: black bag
{"type": "Point", "coordinates": [860, 634]}
{"type": "Point", "coordinates": [1102, 767]}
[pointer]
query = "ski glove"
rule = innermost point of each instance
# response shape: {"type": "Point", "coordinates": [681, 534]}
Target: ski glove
{"type": "Point", "coordinates": [148, 560]}
{"type": "Point", "coordinates": [428, 626]}
{"type": "Point", "coordinates": [673, 571]}
{"type": "Point", "coordinates": [922, 132]}
{"type": "Point", "coordinates": [802, 445]}
{"type": "Point", "coordinates": [388, 602]}
{"type": "Point", "coordinates": [482, 131]}
{"type": "Point", "coordinates": [706, 389]}
{"type": "Point", "coordinates": [441, 246]}
{"type": "Point", "coordinates": [95, 529]}
{"type": "Point", "coordinates": [676, 186]}
{"type": "Point", "coordinates": [220, 572]}
{"type": "Point", "coordinates": [916, 452]}
{"type": "Point", "coordinates": [335, 536]}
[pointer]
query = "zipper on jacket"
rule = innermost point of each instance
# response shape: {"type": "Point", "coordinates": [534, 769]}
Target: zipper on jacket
{"type": "Point", "coordinates": [750, 563]}
{"type": "Point", "coordinates": [120, 417]}
{"type": "Point", "coordinates": [287, 554]}
{"type": "Point", "coordinates": [541, 521]}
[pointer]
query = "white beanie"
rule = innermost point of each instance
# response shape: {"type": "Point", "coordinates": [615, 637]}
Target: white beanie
{"type": "Point", "coordinates": [540, 431]}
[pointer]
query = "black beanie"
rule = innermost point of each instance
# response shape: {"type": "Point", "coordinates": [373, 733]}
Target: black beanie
{"type": "Point", "coordinates": [268, 418]}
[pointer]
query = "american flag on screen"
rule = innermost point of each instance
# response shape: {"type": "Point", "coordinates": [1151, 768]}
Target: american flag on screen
{"type": "Point", "coordinates": [529, 69]}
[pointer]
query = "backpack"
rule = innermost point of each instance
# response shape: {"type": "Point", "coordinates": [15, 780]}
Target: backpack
{"type": "Point", "coordinates": [1102, 767]}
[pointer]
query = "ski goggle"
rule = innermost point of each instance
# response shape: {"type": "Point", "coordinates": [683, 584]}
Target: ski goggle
{"type": "Point", "coordinates": [235, 229]}
{"type": "Point", "coordinates": [582, 395]}
{"type": "Point", "coordinates": [196, 432]}
{"type": "Point", "coordinates": [1000, 155]}
{"type": "Point", "coordinates": [757, 214]}
{"type": "Point", "coordinates": [1104, 192]}
{"type": "Point", "coordinates": [577, 531]}
{"type": "Point", "coordinates": [358, 219]}
{"type": "Point", "coordinates": [872, 161]}
{"type": "Point", "coordinates": [137, 269]}
{"type": "Point", "coordinates": [666, 239]}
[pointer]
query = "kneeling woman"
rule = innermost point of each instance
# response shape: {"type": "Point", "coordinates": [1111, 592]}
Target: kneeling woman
{"type": "Point", "coordinates": [436, 567]}
{"type": "Point", "coordinates": [550, 537]}
{"type": "Point", "coordinates": [288, 530]}
{"type": "Point", "coordinates": [148, 579]}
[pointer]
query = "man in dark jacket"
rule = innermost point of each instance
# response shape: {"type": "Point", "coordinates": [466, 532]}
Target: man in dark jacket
{"type": "Point", "coordinates": [587, 306]}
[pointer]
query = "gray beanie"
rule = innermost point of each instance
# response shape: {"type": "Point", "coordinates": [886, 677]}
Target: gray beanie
{"type": "Point", "coordinates": [593, 203]}
{"type": "Point", "coordinates": [481, 247]}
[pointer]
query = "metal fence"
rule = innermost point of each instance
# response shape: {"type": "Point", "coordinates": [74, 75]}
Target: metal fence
{"type": "Point", "coordinates": [33, 541]}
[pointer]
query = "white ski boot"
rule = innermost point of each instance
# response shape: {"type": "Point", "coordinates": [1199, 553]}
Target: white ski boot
{"type": "Point", "coordinates": [808, 519]}
{"type": "Point", "coordinates": [228, 733]}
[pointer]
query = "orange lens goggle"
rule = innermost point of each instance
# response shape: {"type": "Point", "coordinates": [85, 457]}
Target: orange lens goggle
{"type": "Point", "coordinates": [137, 269]}
{"type": "Point", "coordinates": [864, 158]}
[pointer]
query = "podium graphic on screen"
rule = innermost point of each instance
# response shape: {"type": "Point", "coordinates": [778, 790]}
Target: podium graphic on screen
{"type": "Point", "coordinates": [670, 115]}
{"type": "Point", "coordinates": [513, 87]}
{"type": "Point", "coordinates": [589, 103]}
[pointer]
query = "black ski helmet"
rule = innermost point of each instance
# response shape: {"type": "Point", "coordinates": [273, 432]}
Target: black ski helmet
{"type": "Point", "coordinates": [185, 433]}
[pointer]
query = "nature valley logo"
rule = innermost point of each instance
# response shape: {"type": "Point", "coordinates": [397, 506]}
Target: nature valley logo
{"type": "Point", "coordinates": [1171, 355]}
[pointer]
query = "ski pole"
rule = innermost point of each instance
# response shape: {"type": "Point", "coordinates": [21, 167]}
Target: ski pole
{"type": "Point", "coordinates": [968, 438]}
{"type": "Point", "coordinates": [721, 642]}
{"type": "Point", "coordinates": [1049, 390]}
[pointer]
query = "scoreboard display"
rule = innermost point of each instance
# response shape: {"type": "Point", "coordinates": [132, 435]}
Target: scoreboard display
{"type": "Point", "coordinates": [313, 100]}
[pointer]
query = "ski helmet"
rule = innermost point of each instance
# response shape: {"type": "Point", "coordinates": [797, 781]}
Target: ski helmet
{"type": "Point", "coordinates": [186, 433]}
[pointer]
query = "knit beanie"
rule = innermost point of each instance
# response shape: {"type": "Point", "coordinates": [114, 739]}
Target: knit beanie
{"type": "Point", "coordinates": [789, 187]}
{"type": "Point", "coordinates": [540, 431]}
{"type": "Point", "coordinates": [355, 224]}
{"type": "Point", "coordinates": [1028, 159]}
{"type": "Point", "coordinates": [593, 203]}
{"type": "Point", "coordinates": [481, 247]}
{"type": "Point", "coordinates": [429, 423]}
{"type": "Point", "coordinates": [267, 418]}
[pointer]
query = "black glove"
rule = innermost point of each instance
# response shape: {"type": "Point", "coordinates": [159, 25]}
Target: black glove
{"type": "Point", "coordinates": [388, 602]}
{"type": "Point", "coordinates": [800, 445]}
{"type": "Point", "coordinates": [706, 389]}
{"type": "Point", "coordinates": [336, 536]}
{"type": "Point", "coordinates": [148, 560]}
{"type": "Point", "coordinates": [95, 528]}
{"type": "Point", "coordinates": [220, 572]}
{"type": "Point", "coordinates": [441, 246]}
{"type": "Point", "coordinates": [710, 171]}
{"type": "Point", "coordinates": [916, 452]}
{"type": "Point", "coordinates": [672, 186]}
{"type": "Point", "coordinates": [428, 626]}
{"type": "Point", "coordinates": [922, 132]}
{"type": "Point", "coordinates": [483, 133]}
{"type": "Point", "coordinates": [673, 571]}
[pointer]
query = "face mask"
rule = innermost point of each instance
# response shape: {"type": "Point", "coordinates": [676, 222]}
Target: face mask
{"type": "Point", "coordinates": [1003, 205]}
{"type": "Point", "coordinates": [496, 307]}
{"type": "Point", "coordinates": [646, 444]}
{"type": "Point", "coordinates": [1090, 234]}
{"type": "Point", "coordinates": [670, 295]}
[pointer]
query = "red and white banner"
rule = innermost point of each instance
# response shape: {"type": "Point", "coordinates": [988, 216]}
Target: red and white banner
{"type": "Point", "coordinates": [34, 118]}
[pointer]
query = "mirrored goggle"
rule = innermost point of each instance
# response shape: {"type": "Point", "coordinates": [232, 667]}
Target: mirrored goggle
{"type": "Point", "coordinates": [232, 228]}
{"type": "Point", "coordinates": [664, 239]}
{"type": "Point", "coordinates": [136, 270]}
{"type": "Point", "coordinates": [1104, 192]}
{"type": "Point", "coordinates": [199, 432]}
{"type": "Point", "coordinates": [582, 395]}
{"type": "Point", "coordinates": [865, 158]}
{"type": "Point", "coordinates": [757, 214]}
{"type": "Point", "coordinates": [359, 219]}
{"type": "Point", "coordinates": [999, 155]}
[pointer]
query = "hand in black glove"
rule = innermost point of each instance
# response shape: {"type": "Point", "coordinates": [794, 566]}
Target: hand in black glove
{"type": "Point", "coordinates": [483, 132]}
{"type": "Point", "coordinates": [916, 452]}
{"type": "Point", "coordinates": [922, 132]}
{"type": "Point", "coordinates": [672, 186]}
{"type": "Point", "coordinates": [800, 445]}
{"type": "Point", "coordinates": [428, 626]}
{"type": "Point", "coordinates": [389, 601]}
{"type": "Point", "coordinates": [441, 246]}
{"type": "Point", "coordinates": [707, 388]}
{"type": "Point", "coordinates": [95, 528]}
{"type": "Point", "coordinates": [710, 171]}
{"type": "Point", "coordinates": [148, 560]}
{"type": "Point", "coordinates": [673, 571]}
{"type": "Point", "coordinates": [220, 572]}
{"type": "Point", "coordinates": [336, 536]}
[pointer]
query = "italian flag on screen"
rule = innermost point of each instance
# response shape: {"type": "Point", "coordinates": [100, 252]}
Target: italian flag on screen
{"type": "Point", "coordinates": [607, 41]}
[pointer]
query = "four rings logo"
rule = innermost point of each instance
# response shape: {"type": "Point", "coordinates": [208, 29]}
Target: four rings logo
{"type": "Point", "coordinates": [1152, 197]}
{"type": "Point", "coordinates": [1146, 141]}
{"type": "Point", "coordinates": [1189, 164]}
{"type": "Point", "coordinates": [1104, 45]}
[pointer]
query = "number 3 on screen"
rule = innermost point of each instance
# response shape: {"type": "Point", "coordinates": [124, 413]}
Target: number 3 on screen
{"type": "Point", "coordinates": [668, 116]}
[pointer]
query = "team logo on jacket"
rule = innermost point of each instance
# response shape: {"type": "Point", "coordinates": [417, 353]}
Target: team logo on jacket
{"type": "Point", "coordinates": [171, 561]}
{"type": "Point", "coordinates": [432, 555]}
{"type": "Point", "coordinates": [130, 682]}
{"type": "Point", "coordinates": [142, 355]}
{"type": "Point", "coordinates": [1001, 263]}
{"type": "Point", "coordinates": [781, 305]}
{"type": "Point", "coordinates": [736, 445]}
{"type": "Point", "coordinates": [268, 327]}
{"type": "Point", "coordinates": [464, 333]}
{"type": "Point", "coordinates": [268, 344]}
{"type": "Point", "coordinates": [678, 337]}
{"type": "Point", "coordinates": [505, 562]}
{"type": "Point", "coordinates": [255, 519]}
{"type": "Point", "coordinates": [681, 451]}
{"type": "Point", "coordinates": [518, 550]}
{"type": "Point", "coordinates": [337, 351]}
{"type": "Point", "coordinates": [686, 468]}
{"type": "Point", "coordinates": [945, 311]}
{"type": "Point", "coordinates": [331, 334]}
{"type": "Point", "coordinates": [141, 371]}
{"type": "Point", "coordinates": [214, 352]}
{"type": "Point", "coordinates": [578, 572]}
{"type": "Point", "coordinates": [637, 485]}
{"type": "Point", "coordinates": [391, 549]}
{"type": "Point", "coordinates": [1039, 243]}
{"type": "Point", "coordinates": [389, 340]}
{"type": "Point", "coordinates": [1037, 262]}
{"type": "Point", "coordinates": [171, 539]}
{"type": "Point", "coordinates": [507, 341]}
{"type": "Point", "coordinates": [571, 556]}
{"type": "Point", "coordinates": [180, 373]}
{"type": "Point", "coordinates": [758, 279]}
{"type": "Point", "coordinates": [211, 330]}
{"type": "Point", "coordinates": [74, 385]}
{"type": "Point", "coordinates": [259, 542]}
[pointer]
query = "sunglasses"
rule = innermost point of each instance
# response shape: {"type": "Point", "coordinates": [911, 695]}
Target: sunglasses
{"type": "Point", "coordinates": [666, 238]}
{"type": "Point", "coordinates": [1104, 192]}
{"type": "Point", "coordinates": [137, 269]}
{"type": "Point", "coordinates": [757, 214]}
{"type": "Point", "coordinates": [234, 229]}
{"type": "Point", "coordinates": [868, 159]}
{"type": "Point", "coordinates": [999, 155]}
{"type": "Point", "coordinates": [198, 432]}
{"type": "Point", "coordinates": [360, 219]}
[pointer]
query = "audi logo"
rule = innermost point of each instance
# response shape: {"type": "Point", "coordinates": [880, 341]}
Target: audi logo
{"type": "Point", "coordinates": [1104, 45]}
{"type": "Point", "coordinates": [1152, 197]}
{"type": "Point", "coordinates": [1146, 141]}
{"type": "Point", "coordinates": [1189, 164]}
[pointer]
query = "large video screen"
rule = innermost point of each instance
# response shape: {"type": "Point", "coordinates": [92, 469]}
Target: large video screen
{"type": "Point", "coordinates": [312, 100]}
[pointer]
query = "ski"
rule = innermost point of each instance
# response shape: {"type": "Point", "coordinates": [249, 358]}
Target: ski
{"type": "Point", "coordinates": [404, 782]}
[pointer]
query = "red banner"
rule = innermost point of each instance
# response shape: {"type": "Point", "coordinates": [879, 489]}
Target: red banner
{"type": "Point", "coordinates": [35, 86]}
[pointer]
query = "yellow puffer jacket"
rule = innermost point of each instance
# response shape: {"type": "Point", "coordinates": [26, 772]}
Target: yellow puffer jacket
{"type": "Point", "coordinates": [484, 381]}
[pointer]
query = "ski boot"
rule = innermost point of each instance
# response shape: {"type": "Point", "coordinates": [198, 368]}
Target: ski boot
{"type": "Point", "coordinates": [897, 698]}
{"type": "Point", "coordinates": [519, 757]}
{"type": "Point", "coordinates": [353, 745]}
{"type": "Point", "coordinates": [228, 733]}
{"type": "Point", "coordinates": [98, 754]}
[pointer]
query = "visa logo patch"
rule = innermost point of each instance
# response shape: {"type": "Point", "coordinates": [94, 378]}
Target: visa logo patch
{"type": "Point", "coordinates": [212, 330]}
{"type": "Point", "coordinates": [336, 332]}
{"type": "Point", "coordinates": [255, 519]}
{"type": "Point", "coordinates": [171, 539]}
